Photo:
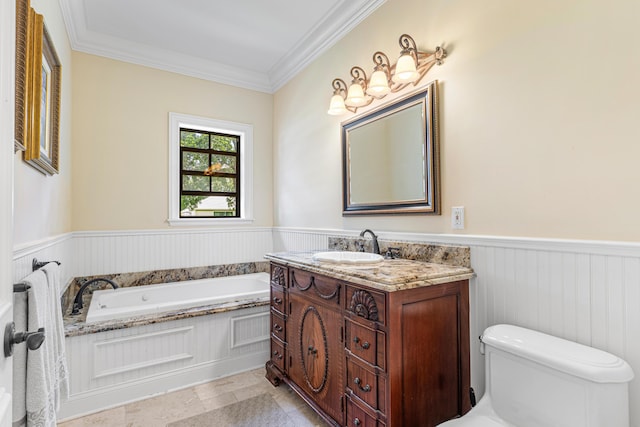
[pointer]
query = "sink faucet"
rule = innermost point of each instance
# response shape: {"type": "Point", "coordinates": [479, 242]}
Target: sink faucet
{"type": "Point", "coordinates": [77, 302]}
{"type": "Point", "coordinates": [376, 248]}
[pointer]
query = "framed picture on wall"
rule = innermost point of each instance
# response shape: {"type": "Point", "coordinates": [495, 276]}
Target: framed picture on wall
{"type": "Point", "coordinates": [42, 98]}
{"type": "Point", "coordinates": [22, 19]}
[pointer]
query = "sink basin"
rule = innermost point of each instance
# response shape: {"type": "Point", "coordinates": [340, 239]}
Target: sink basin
{"type": "Point", "coordinates": [351, 258]}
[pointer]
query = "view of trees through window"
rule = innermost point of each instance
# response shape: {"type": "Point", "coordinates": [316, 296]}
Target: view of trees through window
{"type": "Point", "coordinates": [209, 174]}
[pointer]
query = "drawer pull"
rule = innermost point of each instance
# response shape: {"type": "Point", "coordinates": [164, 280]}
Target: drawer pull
{"type": "Point", "coordinates": [277, 300]}
{"type": "Point", "coordinates": [358, 382]}
{"type": "Point", "coordinates": [277, 328]}
{"type": "Point", "coordinates": [365, 345]}
{"type": "Point", "coordinates": [277, 355]}
{"type": "Point", "coordinates": [356, 421]}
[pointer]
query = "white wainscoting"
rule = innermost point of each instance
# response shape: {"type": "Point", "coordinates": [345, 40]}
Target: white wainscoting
{"type": "Point", "coordinates": [57, 248]}
{"type": "Point", "coordinates": [112, 368]}
{"type": "Point", "coordinates": [585, 291]}
{"type": "Point", "coordinates": [92, 253]}
{"type": "Point", "coordinates": [120, 252]}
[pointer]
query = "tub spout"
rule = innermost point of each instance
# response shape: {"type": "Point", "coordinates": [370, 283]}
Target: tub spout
{"type": "Point", "coordinates": [77, 302]}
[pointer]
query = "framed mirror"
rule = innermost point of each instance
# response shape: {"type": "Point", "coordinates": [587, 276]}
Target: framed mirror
{"type": "Point", "coordinates": [391, 158]}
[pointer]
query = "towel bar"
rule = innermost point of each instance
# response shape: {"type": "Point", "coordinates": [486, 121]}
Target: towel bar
{"type": "Point", "coordinates": [21, 287]}
{"type": "Point", "coordinates": [35, 264]}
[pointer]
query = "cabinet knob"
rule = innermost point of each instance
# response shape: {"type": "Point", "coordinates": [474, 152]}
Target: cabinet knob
{"type": "Point", "coordinates": [277, 355]}
{"type": "Point", "coordinates": [356, 421]}
{"type": "Point", "coordinates": [312, 350]}
{"type": "Point", "coordinates": [357, 381]}
{"type": "Point", "coordinates": [277, 300]}
{"type": "Point", "coordinates": [365, 345]}
{"type": "Point", "coordinates": [277, 328]}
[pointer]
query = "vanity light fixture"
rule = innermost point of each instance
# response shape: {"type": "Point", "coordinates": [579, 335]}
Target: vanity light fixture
{"type": "Point", "coordinates": [355, 96]}
{"type": "Point", "coordinates": [337, 105]}
{"type": "Point", "coordinates": [411, 67]}
{"type": "Point", "coordinates": [379, 84]}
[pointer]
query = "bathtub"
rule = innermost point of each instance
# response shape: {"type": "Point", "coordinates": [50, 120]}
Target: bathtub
{"type": "Point", "coordinates": [117, 362]}
{"type": "Point", "coordinates": [121, 303]}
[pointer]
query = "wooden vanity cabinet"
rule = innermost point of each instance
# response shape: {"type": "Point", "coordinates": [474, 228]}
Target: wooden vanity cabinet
{"type": "Point", "coordinates": [365, 357]}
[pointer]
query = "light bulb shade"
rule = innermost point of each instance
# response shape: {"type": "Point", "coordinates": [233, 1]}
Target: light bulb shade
{"type": "Point", "coordinates": [355, 96]}
{"type": "Point", "coordinates": [405, 70]}
{"type": "Point", "coordinates": [336, 106]}
{"type": "Point", "coordinates": [379, 84]}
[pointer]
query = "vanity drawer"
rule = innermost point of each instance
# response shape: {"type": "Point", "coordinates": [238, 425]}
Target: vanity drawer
{"type": "Point", "coordinates": [278, 326]}
{"type": "Point", "coordinates": [366, 385]}
{"type": "Point", "coordinates": [365, 343]}
{"type": "Point", "coordinates": [278, 299]}
{"type": "Point", "coordinates": [316, 287]}
{"type": "Point", "coordinates": [279, 275]}
{"type": "Point", "coordinates": [277, 354]}
{"type": "Point", "coordinates": [358, 417]}
{"type": "Point", "coordinates": [366, 304]}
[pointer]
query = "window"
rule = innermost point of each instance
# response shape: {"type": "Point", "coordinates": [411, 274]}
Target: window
{"type": "Point", "coordinates": [210, 171]}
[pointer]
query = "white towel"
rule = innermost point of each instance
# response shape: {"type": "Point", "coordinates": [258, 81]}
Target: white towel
{"type": "Point", "coordinates": [40, 401]}
{"type": "Point", "coordinates": [56, 334]}
{"type": "Point", "coordinates": [19, 361]}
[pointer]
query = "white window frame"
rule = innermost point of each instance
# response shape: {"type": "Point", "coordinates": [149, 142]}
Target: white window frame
{"type": "Point", "coordinates": [245, 132]}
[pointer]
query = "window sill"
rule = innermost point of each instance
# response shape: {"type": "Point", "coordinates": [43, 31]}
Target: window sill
{"type": "Point", "coordinates": [190, 222]}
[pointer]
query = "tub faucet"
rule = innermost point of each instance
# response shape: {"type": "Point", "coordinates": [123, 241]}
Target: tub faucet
{"type": "Point", "coordinates": [77, 302]}
{"type": "Point", "coordinates": [376, 248]}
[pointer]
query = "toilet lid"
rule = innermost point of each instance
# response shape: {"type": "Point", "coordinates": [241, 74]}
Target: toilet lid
{"type": "Point", "coordinates": [562, 355]}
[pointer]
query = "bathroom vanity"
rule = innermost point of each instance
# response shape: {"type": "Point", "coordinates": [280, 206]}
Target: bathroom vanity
{"type": "Point", "coordinates": [380, 345]}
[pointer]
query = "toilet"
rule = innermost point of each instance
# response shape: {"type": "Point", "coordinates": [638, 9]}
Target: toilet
{"type": "Point", "coordinates": [538, 380]}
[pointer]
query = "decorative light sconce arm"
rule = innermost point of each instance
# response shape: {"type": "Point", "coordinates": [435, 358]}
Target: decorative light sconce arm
{"type": "Point", "coordinates": [411, 67]}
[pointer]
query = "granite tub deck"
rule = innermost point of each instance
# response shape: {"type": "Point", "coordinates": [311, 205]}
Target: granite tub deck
{"type": "Point", "coordinates": [418, 264]}
{"type": "Point", "coordinates": [76, 324]}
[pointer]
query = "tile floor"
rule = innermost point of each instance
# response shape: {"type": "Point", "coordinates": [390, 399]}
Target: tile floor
{"type": "Point", "coordinates": [160, 410]}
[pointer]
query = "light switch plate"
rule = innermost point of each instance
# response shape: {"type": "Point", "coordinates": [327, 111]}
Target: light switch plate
{"type": "Point", "coordinates": [457, 217]}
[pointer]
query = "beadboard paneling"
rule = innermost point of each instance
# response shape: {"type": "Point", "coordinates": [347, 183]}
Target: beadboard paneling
{"type": "Point", "coordinates": [587, 292]}
{"type": "Point", "coordinates": [120, 252]}
{"type": "Point", "coordinates": [584, 291]}
{"type": "Point", "coordinates": [57, 248]}
{"type": "Point", "coordinates": [115, 367]}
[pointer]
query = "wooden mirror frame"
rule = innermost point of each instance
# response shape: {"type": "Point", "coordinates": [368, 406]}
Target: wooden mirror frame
{"type": "Point", "coordinates": [430, 203]}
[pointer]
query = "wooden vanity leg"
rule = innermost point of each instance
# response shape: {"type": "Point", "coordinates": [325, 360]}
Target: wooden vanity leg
{"type": "Point", "coordinates": [273, 374]}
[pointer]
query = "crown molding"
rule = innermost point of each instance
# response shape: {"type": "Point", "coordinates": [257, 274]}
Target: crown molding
{"type": "Point", "coordinates": [331, 28]}
{"type": "Point", "coordinates": [334, 26]}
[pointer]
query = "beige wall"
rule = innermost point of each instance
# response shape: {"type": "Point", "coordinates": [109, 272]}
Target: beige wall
{"type": "Point", "coordinates": [120, 128]}
{"type": "Point", "coordinates": [539, 119]}
{"type": "Point", "coordinates": [42, 204]}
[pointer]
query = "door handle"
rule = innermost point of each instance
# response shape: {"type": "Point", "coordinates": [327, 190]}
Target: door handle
{"type": "Point", "coordinates": [34, 339]}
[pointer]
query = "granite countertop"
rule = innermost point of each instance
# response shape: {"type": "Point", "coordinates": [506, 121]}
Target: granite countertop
{"type": "Point", "coordinates": [389, 275]}
{"type": "Point", "coordinates": [75, 325]}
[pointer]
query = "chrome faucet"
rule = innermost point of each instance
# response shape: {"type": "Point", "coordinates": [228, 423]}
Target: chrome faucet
{"type": "Point", "coordinates": [376, 248]}
{"type": "Point", "coordinates": [77, 302]}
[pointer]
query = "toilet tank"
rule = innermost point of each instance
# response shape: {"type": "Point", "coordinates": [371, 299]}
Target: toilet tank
{"type": "Point", "coordinates": [535, 379]}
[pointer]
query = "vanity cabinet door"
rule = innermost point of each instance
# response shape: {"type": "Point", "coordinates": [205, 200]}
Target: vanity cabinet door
{"type": "Point", "coordinates": [316, 353]}
{"type": "Point", "coordinates": [429, 363]}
